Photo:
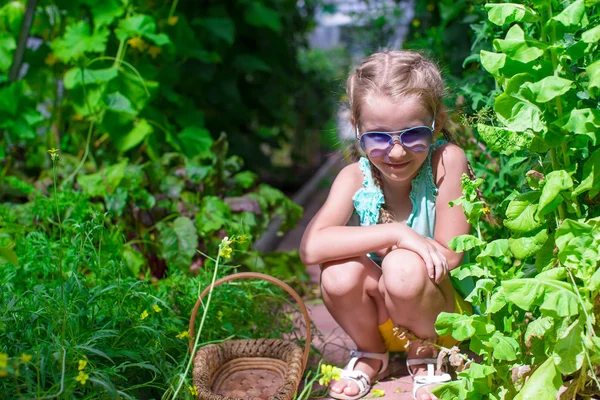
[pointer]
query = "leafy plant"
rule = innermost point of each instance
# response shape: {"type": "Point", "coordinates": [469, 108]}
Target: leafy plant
{"type": "Point", "coordinates": [538, 278]}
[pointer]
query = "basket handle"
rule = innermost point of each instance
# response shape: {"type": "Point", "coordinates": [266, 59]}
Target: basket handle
{"type": "Point", "coordinates": [255, 275]}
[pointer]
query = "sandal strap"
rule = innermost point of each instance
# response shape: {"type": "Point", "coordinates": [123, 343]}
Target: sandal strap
{"type": "Point", "coordinates": [360, 378]}
{"type": "Point", "coordinates": [429, 380]}
{"type": "Point", "coordinates": [430, 362]}
{"type": "Point", "coordinates": [356, 355]}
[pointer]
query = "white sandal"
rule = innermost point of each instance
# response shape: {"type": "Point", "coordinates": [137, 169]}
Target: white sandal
{"type": "Point", "coordinates": [423, 380]}
{"type": "Point", "coordinates": [361, 379]}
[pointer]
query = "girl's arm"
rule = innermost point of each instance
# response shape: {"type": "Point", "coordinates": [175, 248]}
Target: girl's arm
{"type": "Point", "coordinates": [449, 163]}
{"type": "Point", "coordinates": [327, 238]}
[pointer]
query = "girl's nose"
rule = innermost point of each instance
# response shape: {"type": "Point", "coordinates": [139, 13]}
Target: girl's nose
{"type": "Point", "coordinates": [397, 150]}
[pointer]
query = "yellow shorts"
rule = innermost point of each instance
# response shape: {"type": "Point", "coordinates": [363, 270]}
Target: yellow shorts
{"type": "Point", "coordinates": [394, 344]}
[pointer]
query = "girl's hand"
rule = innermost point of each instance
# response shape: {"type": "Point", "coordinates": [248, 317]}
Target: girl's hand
{"type": "Point", "coordinates": [437, 265]}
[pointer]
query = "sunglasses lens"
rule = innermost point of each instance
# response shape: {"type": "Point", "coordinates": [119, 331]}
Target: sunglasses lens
{"type": "Point", "coordinates": [417, 139]}
{"type": "Point", "coordinates": [375, 144]}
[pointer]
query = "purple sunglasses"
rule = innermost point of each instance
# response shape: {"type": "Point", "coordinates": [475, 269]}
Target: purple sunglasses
{"type": "Point", "coordinates": [377, 144]}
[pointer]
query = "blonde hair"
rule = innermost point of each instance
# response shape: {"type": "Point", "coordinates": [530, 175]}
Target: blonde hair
{"type": "Point", "coordinates": [397, 75]}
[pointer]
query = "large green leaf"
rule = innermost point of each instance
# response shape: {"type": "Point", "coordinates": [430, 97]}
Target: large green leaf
{"type": "Point", "coordinates": [7, 48]}
{"type": "Point", "coordinates": [582, 122]}
{"type": "Point", "coordinates": [223, 28]}
{"type": "Point", "coordinates": [492, 62]}
{"type": "Point", "coordinates": [549, 88]}
{"type": "Point", "coordinates": [78, 40]}
{"type": "Point", "coordinates": [504, 347]}
{"type": "Point", "coordinates": [495, 249]}
{"type": "Point", "coordinates": [516, 107]}
{"type": "Point", "coordinates": [125, 142]}
{"type": "Point", "coordinates": [504, 141]}
{"type": "Point", "coordinates": [569, 352]}
{"type": "Point", "coordinates": [259, 15]}
{"type": "Point", "coordinates": [538, 328]}
{"type": "Point", "coordinates": [464, 243]}
{"type": "Point", "coordinates": [213, 215]}
{"type": "Point", "coordinates": [592, 35]}
{"type": "Point", "coordinates": [141, 25]}
{"type": "Point", "coordinates": [593, 71]}
{"type": "Point", "coordinates": [556, 182]}
{"type": "Point", "coordinates": [104, 181]}
{"type": "Point", "coordinates": [570, 229]}
{"type": "Point", "coordinates": [179, 242]}
{"type": "Point", "coordinates": [555, 298]}
{"type": "Point", "coordinates": [104, 12]}
{"type": "Point", "coordinates": [11, 16]}
{"type": "Point", "coordinates": [518, 47]}
{"type": "Point", "coordinates": [525, 246]}
{"type": "Point", "coordinates": [572, 18]}
{"type": "Point", "coordinates": [543, 383]}
{"type": "Point", "coordinates": [83, 76]}
{"type": "Point", "coordinates": [195, 141]}
{"type": "Point", "coordinates": [506, 13]}
{"type": "Point", "coordinates": [520, 213]}
{"type": "Point", "coordinates": [591, 176]}
{"type": "Point", "coordinates": [462, 327]}
{"type": "Point", "coordinates": [119, 103]}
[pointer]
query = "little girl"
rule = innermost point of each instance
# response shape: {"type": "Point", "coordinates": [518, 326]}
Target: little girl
{"type": "Point", "coordinates": [393, 269]}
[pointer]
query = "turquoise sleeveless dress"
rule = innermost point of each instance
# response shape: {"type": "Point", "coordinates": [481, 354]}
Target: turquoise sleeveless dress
{"type": "Point", "coordinates": [369, 199]}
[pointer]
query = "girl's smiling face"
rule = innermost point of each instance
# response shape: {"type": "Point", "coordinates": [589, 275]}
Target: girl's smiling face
{"type": "Point", "coordinates": [381, 114]}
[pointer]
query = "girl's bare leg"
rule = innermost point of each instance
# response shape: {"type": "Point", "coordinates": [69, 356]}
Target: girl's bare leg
{"type": "Point", "coordinates": [350, 289]}
{"type": "Point", "coordinates": [414, 301]}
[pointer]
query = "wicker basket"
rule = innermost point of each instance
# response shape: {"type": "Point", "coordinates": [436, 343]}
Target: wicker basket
{"type": "Point", "coordinates": [265, 369]}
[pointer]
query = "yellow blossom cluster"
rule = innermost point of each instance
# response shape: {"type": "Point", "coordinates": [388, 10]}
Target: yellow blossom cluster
{"type": "Point", "coordinates": [329, 373]}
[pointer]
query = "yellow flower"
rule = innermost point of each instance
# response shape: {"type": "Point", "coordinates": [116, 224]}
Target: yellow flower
{"type": "Point", "coordinates": [173, 20]}
{"type": "Point", "coordinates": [377, 393]}
{"type": "Point", "coordinates": [193, 390]}
{"type": "Point", "coordinates": [430, 7]}
{"type": "Point", "coordinates": [243, 239]}
{"type": "Point", "coordinates": [156, 308]}
{"type": "Point", "coordinates": [25, 358]}
{"type": "Point", "coordinates": [82, 377]}
{"type": "Point", "coordinates": [82, 364]}
{"type": "Point", "coordinates": [183, 335]}
{"type": "Point", "coordinates": [225, 252]}
{"type": "Point", "coordinates": [3, 360]}
{"type": "Point", "coordinates": [220, 315]}
{"type": "Point", "coordinates": [77, 117]}
{"type": "Point", "coordinates": [329, 373]}
{"type": "Point", "coordinates": [485, 210]}
{"type": "Point", "coordinates": [137, 43]}
{"type": "Point", "coordinates": [144, 315]}
{"type": "Point", "coordinates": [416, 22]}
{"type": "Point", "coordinates": [50, 59]}
{"type": "Point", "coordinates": [154, 51]}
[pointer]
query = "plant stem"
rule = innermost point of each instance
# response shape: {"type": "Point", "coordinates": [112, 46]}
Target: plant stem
{"type": "Point", "coordinates": [173, 8]}
{"type": "Point", "coordinates": [87, 150]}
{"type": "Point", "coordinates": [197, 339]}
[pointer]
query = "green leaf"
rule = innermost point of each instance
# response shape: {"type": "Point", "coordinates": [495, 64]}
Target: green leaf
{"type": "Point", "coordinates": [554, 298]}
{"type": "Point", "coordinates": [504, 347]}
{"type": "Point", "coordinates": [569, 352]}
{"type": "Point", "coordinates": [250, 63]}
{"type": "Point", "coordinates": [104, 181]}
{"type": "Point", "coordinates": [106, 11]}
{"type": "Point", "coordinates": [592, 35]}
{"type": "Point", "coordinates": [506, 13]}
{"type": "Point", "coordinates": [119, 103]}
{"type": "Point", "coordinates": [452, 390]}
{"type": "Point", "coordinates": [223, 28]}
{"type": "Point", "coordinates": [556, 182]}
{"type": "Point", "coordinates": [462, 327]}
{"type": "Point", "coordinates": [195, 142]}
{"type": "Point", "coordinates": [495, 249]}
{"type": "Point", "coordinates": [140, 131]}
{"type": "Point", "coordinates": [504, 141]}
{"type": "Point", "coordinates": [538, 329]}
{"type": "Point", "coordinates": [582, 122]}
{"type": "Point", "coordinates": [468, 270]}
{"type": "Point", "coordinates": [515, 107]}
{"type": "Point", "coordinates": [83, 76]}
{"type": "Point", "coordinates": [258, 15]}
{"type": "Point", "coordinates": [549, 88]}
{"type": "Point", "coordinates": [568, 230]}
{"type": "Point", "coordinates": [593, 71]}
{"type": "Point", "coordinates": [78, 40]}
{"type": "Point", "coordinates": [520, 213]}
{"type": "Point", "coordinates": [178, 242]}
{"type": "Point", "coordinates": [526, 246]}
{"type": "Point", "coordinates": [516, 46]}
{"type": "Point", "coordinates": [213, 215]}
{"type": "Point", "coordinates": [482, 288]}
{"type": "Point", "coordinates": [7, 48]}
{"type": "Point", "coordinates": [492, 62]}
{"type": "Point", "coordinates": [573, 17]}
{"type": "Point", "coordinates": [7, 254]}
{"type": "Point", "coordinates": [464, 243]}
{"type": "Point", "coordinates": [141, 25]}
{"type": "Point", "coordinates": [543, 384]}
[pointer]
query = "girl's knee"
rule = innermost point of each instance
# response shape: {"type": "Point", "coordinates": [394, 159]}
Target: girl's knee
{"type": "Point", "coordinates": [404, 276]}
{"type": "Point", "coordinates": [342, 277]}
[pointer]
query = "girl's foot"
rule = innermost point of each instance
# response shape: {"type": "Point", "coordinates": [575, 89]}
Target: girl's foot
{"type": "Point", "coordinates": [349, 387]}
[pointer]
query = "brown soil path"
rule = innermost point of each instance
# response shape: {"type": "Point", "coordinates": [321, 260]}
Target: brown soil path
{"type": "Point", "coordinates": [333, 343]}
